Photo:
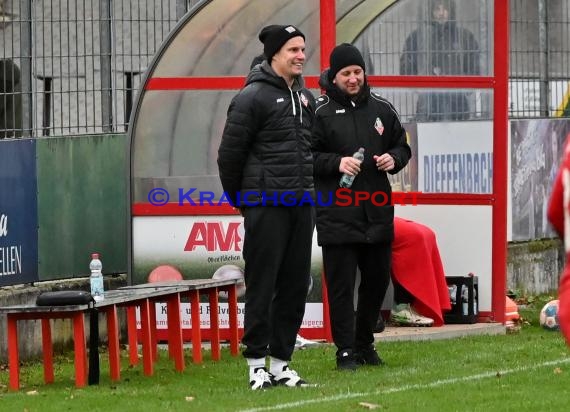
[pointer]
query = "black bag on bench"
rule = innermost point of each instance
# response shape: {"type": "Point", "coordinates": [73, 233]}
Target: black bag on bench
{"type": "Point", "coordinates": [78, 297]}
{"type": "Point", "coordinates": [64, 298]}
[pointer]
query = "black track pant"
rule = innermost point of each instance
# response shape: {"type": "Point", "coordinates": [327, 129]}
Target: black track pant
{"type": "Point", "coordinates": [277, 254]}
{"type": "Point", "coordinates": [340, 263]}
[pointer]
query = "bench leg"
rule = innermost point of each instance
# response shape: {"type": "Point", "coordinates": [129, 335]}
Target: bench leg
{"type": "Point", "coordinates": [132, 335]}
{"type": "Point", "coordinates": [47, 349]}
{"type": "Point", "coordinates": [152, 331]}
{"type": "Point", "coordinates": [175, 347]}
{"type": "Point", "coordinates": [113, 337]}
{"type": "Point", "coordinates": [80, 352]}
{"type": "Point", "coordinates": [214, 323]}
{"type": "Point", "coordinates": [194, 298]}
{"type": "Point", "coordinates": [148, 366]}
{"type": "Point", "coordinates": [232, 311]}
{"type": "Point", "coordinates": [13, 353]}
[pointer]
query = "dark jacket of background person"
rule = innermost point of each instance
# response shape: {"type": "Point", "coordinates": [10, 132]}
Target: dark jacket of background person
{"type": "Point", "coordinates": [265, 147]}
{"type": "Point", "coordinates": [10, 100]}
{"type": "Point", "coordinates": [437, 49]}
{"type": "Point", "coordinates": [340, 129]}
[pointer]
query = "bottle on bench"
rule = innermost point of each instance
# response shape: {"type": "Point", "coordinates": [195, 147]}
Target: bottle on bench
{"type": "Point", "coordinates": [96, 278]}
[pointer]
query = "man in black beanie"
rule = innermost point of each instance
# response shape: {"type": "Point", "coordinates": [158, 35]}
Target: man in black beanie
{"type": "Point", "coordinates": [266, 169]}
{"type": "Point", "coordinates": [357, 234]}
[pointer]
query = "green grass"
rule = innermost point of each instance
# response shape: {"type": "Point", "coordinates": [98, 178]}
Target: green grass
{"type": "Point", "coordinates": [524, 371]}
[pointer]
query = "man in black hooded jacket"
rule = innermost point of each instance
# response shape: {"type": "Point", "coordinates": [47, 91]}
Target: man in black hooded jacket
{"type": "Point", "coordinates": [355, 231]}
{"type": "Point", "coordinates": [266, 170]}
{"type": "Point", "coordinates": [441, 48]}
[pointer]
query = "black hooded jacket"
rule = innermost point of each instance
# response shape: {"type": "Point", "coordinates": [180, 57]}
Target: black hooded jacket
{"type": "Point", "coordinates": [341, 128]}
{"type": "Point", "coordinates": [265, 156]}
{"type": "Point", "coordinates": [441, 49]}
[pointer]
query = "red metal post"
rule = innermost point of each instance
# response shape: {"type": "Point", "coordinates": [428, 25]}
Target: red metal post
{"type": "Point", "coordinates": [328, 30]}
{"type": "Point", "coordinates": [500, 160]}
{"type": "Point", "coordinates": [328, 41]}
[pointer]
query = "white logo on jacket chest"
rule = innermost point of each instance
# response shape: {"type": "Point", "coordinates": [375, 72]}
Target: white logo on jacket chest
{"type": "Point", "coordinates": [379, 126]}
{"type": "Point", "coordinates": [280, 100]}
{"type": "Point", "coordinates": [304, 100]}
{"type": "Point", "coordinates": [339, 111]}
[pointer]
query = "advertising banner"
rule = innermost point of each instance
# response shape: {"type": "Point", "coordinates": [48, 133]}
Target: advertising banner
{"type": "Point", "coordinates": [198, 246]}
{"type": "Point", "coordinates": [455, 157]}
{"type": "Point", "coordinates": [536, 149]}
{"type": "Point", "coordinates": [18, 213]}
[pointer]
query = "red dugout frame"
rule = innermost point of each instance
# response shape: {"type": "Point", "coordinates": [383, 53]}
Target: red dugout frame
{"type": "Point", "coordinates": [498, 83]}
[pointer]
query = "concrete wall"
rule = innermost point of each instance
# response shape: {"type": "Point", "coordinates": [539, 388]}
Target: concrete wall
{"type": "Point", "coordinates": [534, 267]}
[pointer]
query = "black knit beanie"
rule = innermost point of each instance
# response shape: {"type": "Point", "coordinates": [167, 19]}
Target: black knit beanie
{"type": "Point", "coordinates": [342, 56]}
{"type": "Point", "coordinates": [274, 37]}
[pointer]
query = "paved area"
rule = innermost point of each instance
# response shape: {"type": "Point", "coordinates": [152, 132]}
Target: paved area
{"type": "Point", "coordinates": [401, 333]}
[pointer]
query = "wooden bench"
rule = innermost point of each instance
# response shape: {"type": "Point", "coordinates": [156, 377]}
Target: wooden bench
{"type": "Point", "coordinates": [143, 297]}
{"type": "Point", "coordinates": [195, 288]}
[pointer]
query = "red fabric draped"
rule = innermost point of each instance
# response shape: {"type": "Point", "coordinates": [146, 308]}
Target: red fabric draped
{"type": "Point", "coordinates": [417, 266]}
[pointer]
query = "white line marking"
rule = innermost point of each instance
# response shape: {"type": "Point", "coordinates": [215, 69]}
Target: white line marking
{"type": "Point", "coordinates": [406, 387]}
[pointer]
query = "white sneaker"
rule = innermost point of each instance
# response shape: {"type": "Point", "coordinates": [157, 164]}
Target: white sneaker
{"type": "Point", "coordinates": [302, 343]}
{"type": "Point", "coordinates": [289, 377]}
{"type": "Point", "coordinates": [260, 379]}
{"type": "Point", "coordinates": [405, 315]}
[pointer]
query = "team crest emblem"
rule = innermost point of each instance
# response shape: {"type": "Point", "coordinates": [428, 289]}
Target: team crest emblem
{"type": "Point", "coordinates": [304, 100]}
{"type": "Point", "coordinates": [379, 126]}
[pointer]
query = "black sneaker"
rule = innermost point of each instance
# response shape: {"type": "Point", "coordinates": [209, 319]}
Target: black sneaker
{"type": "Point", "coordinates": [345, 360]}
{"type": "Point", "coordinates": [368, 356]}
{"type": "Point", "coordinates": [261, 379]}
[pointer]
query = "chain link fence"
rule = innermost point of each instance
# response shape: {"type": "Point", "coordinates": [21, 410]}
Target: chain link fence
{"type": "Point", "coordinates": [539, 58]}
{"type": "Point", "coordinates": [73, 67]}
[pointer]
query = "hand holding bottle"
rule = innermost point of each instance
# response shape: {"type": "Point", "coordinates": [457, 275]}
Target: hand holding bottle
{"type": "Point", "coordinates": [350, 167]}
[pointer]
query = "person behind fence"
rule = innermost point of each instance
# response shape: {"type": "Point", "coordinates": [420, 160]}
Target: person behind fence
{"type": "Point", "coordinates": [265, 153]}
{"type": "Point", "coordinates": [559, 217]}
{"type": "Point", "coordinates": [441, 47]}
{"type": "Point", "coordinates": [348, 117]}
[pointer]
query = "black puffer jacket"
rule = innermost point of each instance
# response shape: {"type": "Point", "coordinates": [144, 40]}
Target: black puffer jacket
{"type": "Point", "coordinates": [340, 129]}
{"type": "Point", "coordinates": [265, 153]}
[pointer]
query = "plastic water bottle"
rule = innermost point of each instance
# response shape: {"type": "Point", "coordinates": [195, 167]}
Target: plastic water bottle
{"type": "Point", "coordinates": [96, 278]}
{"type": "Point", "coordinates": [346, 180]}
{"type": "Point", "coordinates": [452, 294]}
{"type": "Point", "coordinates": [465, 299]}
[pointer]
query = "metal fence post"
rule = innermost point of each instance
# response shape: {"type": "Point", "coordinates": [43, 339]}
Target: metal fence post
{"type": "Point", "coordinates": [105, 27]}
{"type": "Point", "coordinates": [26, 67]}
{"type": "Point", "coordinates": [181, 9]}
{"type": "Point", "coordinates": [543, 53]}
